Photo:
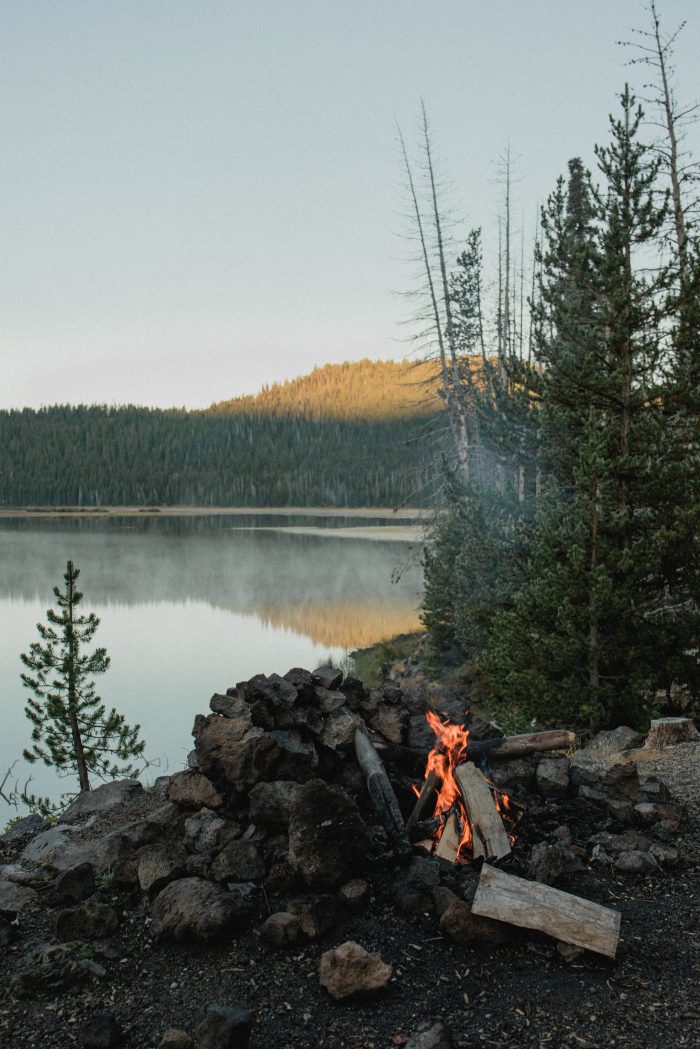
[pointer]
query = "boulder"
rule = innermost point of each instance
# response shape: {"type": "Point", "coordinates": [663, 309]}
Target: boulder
{"type": "Point", "coordinates": [462, 927]}
{"type": "Point", "coordinates": [349, 970]}
{"type": "Point", "coordinates": [316, 916]}
{"type": "Point", "coordinates": [635, 862]}
{"type": "Point", "coordinates": [194, 909]}
{"type": "Point", "coordinates": [515, 775]}
{"type": "Point", "coordinates": [55, 848]}
{"type": "Point", "coordinates": [223, 1027]}
{"type": "Point", "coordinates": [102, 799]}
{"type": "Point", "coordinates": [239, 754]}
{"type": "Point", "coordinates": [340, 727]}
{"type": "Point", "coordinates": [191, 788]}
{"type": "Point", "coordinates": [228, 706]}
{"type": "Point", "coordinates": [73, 886]}
{"type": "Point", "coordinates": [271, 804]}
{"type": "Point", "coordinates": [391, 721]}
{"type": "Point", "coordinates": [203, 831]}
{"type": "Point", "coordinates": [101, 1031]}
{"type": "Point", "coordinates": [26, 827]}
{"type": "Point", "coordinates": [553, 777]}
{"type": "Point", "coordinates": [159, 864]}
{"type": "Point", "coordinates": [175, 1039]}
{"type": "Point", "coordinates": [328, 839]}
{"type": "Point", "coordinates": [91, 920]}
{"type": "Point", "coordinates": [614, 741]}
{"type": "Point", "coordinates": [239, 861]}
{"type": "Point", "coordinates": [13, 898]}
{"type": "Point", "coordinates": [281, 929]}
{"type": "Point", "coordinates": [327, 677]}
{"type": "Point", "coordinates": [549, 862]}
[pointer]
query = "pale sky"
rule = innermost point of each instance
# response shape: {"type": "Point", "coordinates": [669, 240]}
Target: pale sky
{"type": "Point", "coordinates": [199, 197]}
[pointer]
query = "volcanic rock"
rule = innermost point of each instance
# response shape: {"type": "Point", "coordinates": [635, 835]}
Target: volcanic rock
{"type": "Point", "coordinates": [239, 861]}
{"type": "Point", "coordinates": [635, 862]}
{"type": "Point", "coordinates": [55, 847]}
{"type": "Point", "coordinates": [27, 827]}
{"type": "Point", "coordinates": [614, 741]}
{"type": "Point", "coordinates": [328, 839]}
{"type": "Point", "coordinates": [13, 898]}
{"type": "Point", "coordinates": [102, 799]}
{"type": "Point", "coordinates": [354, 895]}
{"type": "Point", "coordinates": [553, 777]}
{"type": "Point", "coordinates": [549, 862]}
{"type": "Point", "coordinates": [203, 831]}
{"type": "Point", "coordinates": [515, 775]}
{"type": "Point", "coordinates": [101, 1031]}
{"type": "Point", "coordinates": [350, 970]}
{"type": "Point", "coordinates": [463, 927]}
{"type": "Point", "coordinates": [281, 929]}
{"type": "Point", "coordinates": [391, 722]}
{"type": "Point", "coordinates": [327, 677]}
{"type": "Point", "coordinates": [191, 788]}
{"type": "Point", "coordinates": [175, 1039]}
{"type": "Point", "coordinates": [192, 908]}
{"type": "Point", "coordinates": [340, 727]}
{"type": "Point", "coordinates": [91, 920]}
{"type": "Point", "coordinates": [73, 886]}
{"type": "Point", "coordinates": [228, 706]}
{"type": "Point", "coordinates": [271, 803]}
{"type": "Point", "coordinates": [159, 864]}
{"type": "Point", "coordinates": [316, 916]}
{"type": "Point", "coordinates": [223, 1027]}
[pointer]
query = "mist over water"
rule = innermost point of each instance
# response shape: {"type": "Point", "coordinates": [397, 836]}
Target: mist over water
{"type": "Point", "coordinates": [191, 605]}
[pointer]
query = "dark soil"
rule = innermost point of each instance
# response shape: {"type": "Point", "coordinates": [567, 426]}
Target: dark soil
{"type": "Point", "coordinates": [519, 994]}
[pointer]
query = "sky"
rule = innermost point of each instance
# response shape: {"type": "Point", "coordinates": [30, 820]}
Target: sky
{"type": "Point", "coordinates": [201, 197]}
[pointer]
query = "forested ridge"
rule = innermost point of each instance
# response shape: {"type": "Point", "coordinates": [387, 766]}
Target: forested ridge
{"type": "Point", "coordinates": [346, 435]}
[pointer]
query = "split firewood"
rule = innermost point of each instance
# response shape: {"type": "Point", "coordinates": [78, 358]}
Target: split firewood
{"type": "Point", "coordinates": [488, 833]}
{"type": "Point", "coordinates": [449, 841]}
{"type": "Point", "coordinates": [665, 732]}
{"type": "Point", "coordinates": [425, 802]}
{"type": "Point", "coordinates": [532, 905]}
{"type": "Point", "coordinates": [381, 792]}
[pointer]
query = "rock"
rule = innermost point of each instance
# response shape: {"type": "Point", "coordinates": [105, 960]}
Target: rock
{"type": "Point", "coordinates": [653, 789]}
{"type": "Point", "coordinates": [316, 916]}
{"type": "Point", "coordinates": [354, 895]}
{"type": "Point", "coordinates": [614, 741]}
{"type": "Point", "coordinates": [102, 799]}
{"type": "Point", "coordinates": [224, 1027]}
{"type": "Point", "coordinates": [328, 839]}
{"type": "Point", "coordinates": [202, 831]}
{"type": "Point", "coordinates": [666, 732]}
{"type": "Point", "coordinates": [614, 844]}
{"type": "Point", "coordinates": [55, 848]}
{"type": "Point", "coordinates": [340, 727]}
{"type": "Point", "coordinates": [193, 789]}
{"type": "Point", "coordinates": [515, 775]}
{"type": "Point", "coordinates": [443, 899]}
{"type": "Point", "coordinates": [636, 862]}
{"type": "Point", "coordinates": [54, 971]}
{"type": "Point", "coordinates": [228, 706]}
{"type": "Point", "coordinates": [192, 763]}
{"type": "Point", "coordinates": [420, 734]}
{"type": "Point", "coordinates": [27, 827]}
{"type": "Point", "coordinates": [175, 1039]}
{"type": "Point", "coordinates": [327, 677]}
{"type": "Point", "coordinates": [350, 970]}
{"type": "Point", "coordinates": [585, 771]}
{"type": "Point", "coordinates": [569, 952]}
{"type": "Point", "coordinates": [668, 856]}
{"type": "Point", "coordinates": [549, 862]}
{"type": "Point", "coordinates": [239, 861]}
{"type": "Point", "coordinates": [7, 932]}
{"type": "Point", "coordinates": [73, 886]}
{"type": "Point", "coordinates": [329, 701]}
{"type": "Point", "coordinates": [391, 722]}
{"type": "Point", "coordinates": [192, 908]}
{"type": "Point", "coordinates": [622, 810]}
{"type": "Point", "coordinates": [430, 1036]}
{"type": "Point", "coordinates": [13, 898]}
{"type": "Point", "coordinates": [650, 812]}
{"type": "Point", "coordinates": [621, 779]}
{"type": "Point", "coordinates": [158, 865]}
{"type": "Point", "coordinates": [463, 927]}
{"type": "Point", "coordinates": [89, 921]}
{"type": "Point", "coordinates": [239, 754]}
{"type": "Point", "coordinates": [101, 1031]}
{"type": "Point", "coordinates": [414, 892]}
{"type": "Point", "coordinates": [281, 929]}
{"type": "Point", "coordinates": [592, 794]}
{"type": "Point", "coordinates": [271, 804]}
{"type": "Point", "coordinates": [553, 777]}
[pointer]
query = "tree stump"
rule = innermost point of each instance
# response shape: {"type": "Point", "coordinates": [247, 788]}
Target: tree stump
{"type": "Point", "coordinates": [666, 732]}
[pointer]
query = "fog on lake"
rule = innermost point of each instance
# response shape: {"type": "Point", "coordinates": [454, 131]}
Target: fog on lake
{"type": "Point", "coordinates": [191, 605]}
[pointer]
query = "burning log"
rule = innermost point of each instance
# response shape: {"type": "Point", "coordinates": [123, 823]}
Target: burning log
{"type": "Point", "coordinates": [532, 905]}
{"type": "Point", "coordinates": [381, 792]}
{"type": "Point", "coordinates": [448, 846]}
{"type": "Point", "coordinates": [425, 800]}
{"type": "Point", "coordinates": [489, 837]}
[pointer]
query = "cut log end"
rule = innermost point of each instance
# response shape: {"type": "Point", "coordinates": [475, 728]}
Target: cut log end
{"type": "Point", "coordinates": [667, 732]}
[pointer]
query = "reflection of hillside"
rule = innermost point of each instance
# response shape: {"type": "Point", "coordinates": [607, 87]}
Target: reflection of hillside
{"type": "Point", "coordinates": [343, 624]}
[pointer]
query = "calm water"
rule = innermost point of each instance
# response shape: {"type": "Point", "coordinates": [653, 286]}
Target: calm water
{"type": "Point", "coordinates": [191, 605]}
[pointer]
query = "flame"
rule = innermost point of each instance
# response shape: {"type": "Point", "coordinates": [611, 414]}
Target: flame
{"type": "Point", "coordinates": [450, 751]}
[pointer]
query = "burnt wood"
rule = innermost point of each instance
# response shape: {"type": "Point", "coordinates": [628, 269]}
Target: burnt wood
{"type": "Point", "coordinates": [381, 792]}
{"type": "Point", "coordinates": [425, 802]}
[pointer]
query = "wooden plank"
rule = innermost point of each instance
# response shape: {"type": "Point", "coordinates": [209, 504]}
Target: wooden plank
{"type": "Point", "coordinates": [449, 840]}
{"type": "Point", "coordinates": [488, 833]}
{"type": "Point", "coordinates": [532, 905]}
{"type": "Point", "coordinates": [381, 792]}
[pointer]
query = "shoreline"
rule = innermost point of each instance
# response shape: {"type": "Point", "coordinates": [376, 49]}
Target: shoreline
{"type": "Point", "coordinates": [403, 513]}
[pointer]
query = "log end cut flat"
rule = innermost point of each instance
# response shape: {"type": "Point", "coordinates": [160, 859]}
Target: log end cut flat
{"type": "Point", "coordinates": [532, 905]}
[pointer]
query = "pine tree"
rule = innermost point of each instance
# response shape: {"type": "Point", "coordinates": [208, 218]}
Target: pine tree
{"type": "Point", "coordinates": [73, 732]}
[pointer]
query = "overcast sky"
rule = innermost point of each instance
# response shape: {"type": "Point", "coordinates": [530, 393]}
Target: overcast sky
{"type": "Point", "coordinates": [199, 196]}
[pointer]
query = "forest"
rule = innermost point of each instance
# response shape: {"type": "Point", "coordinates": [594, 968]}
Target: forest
{"type": "Point", "coordinates": [564, 575]}
{"type": "Point", "coordinates": [345, 435]}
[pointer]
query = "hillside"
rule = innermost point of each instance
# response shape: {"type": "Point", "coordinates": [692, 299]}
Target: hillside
{"type": "Point", "coordinates": [345, 435]}
{"type": "Point", "coordinates": [355, 390]}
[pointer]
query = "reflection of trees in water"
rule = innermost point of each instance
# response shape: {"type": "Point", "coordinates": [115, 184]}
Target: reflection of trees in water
{"type": "Point", "coordinates": [337, 592]}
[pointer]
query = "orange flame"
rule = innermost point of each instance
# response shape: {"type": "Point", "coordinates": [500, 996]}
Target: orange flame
{"type": "Point", "coordinates": [450, 751]}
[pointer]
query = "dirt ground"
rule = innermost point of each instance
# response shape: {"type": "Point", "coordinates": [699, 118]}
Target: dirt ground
{"type": "Point", "coordinates": [519, 994]}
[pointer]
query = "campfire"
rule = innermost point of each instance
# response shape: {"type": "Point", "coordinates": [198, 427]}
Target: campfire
{"type": "Point", "coordinates": [467, 807]}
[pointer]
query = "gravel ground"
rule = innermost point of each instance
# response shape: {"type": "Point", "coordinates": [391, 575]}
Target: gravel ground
{"type": "Point", "coordinates": [519, 994]}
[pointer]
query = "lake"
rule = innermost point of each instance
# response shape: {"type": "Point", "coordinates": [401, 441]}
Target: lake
{"type": "Point", "coordinates": [190, 604]}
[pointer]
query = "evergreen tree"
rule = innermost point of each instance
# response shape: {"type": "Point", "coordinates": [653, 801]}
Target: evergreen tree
{"type": "Point", "coordinates": [73, 732]}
